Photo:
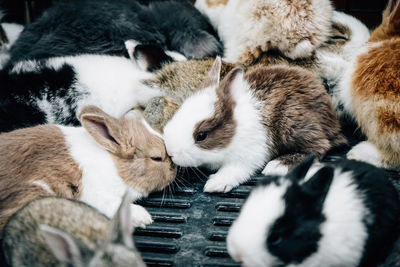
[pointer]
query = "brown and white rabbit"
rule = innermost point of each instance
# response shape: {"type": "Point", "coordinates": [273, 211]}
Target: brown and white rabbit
{"type": "Point", "coordinates": [273, 115]}
{"type": "Point", "coordinates": [95, 163]}
{"type": "Point", "coordinates": [374, 93]}
{"type": "Point", "coordinates": [179, 80]}
{"type": "Point", "coordinates": [54, 231]}
{"type": "Point", "coordinates": [249, 27]}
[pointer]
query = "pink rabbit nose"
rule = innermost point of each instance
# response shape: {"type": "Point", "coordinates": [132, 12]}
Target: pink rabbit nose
{"type": "Point", "coordinates": [237, 257]}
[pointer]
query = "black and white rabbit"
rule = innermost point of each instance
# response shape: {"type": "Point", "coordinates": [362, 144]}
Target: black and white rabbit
{"type": "Point", "coordinates": [102, 26]}
{"type": "Point", "coordinates": [52, 90]}
{"type": "Point", "coordinates": [269, 117]}
{"type": "Point", "coordinates": [342, 213]}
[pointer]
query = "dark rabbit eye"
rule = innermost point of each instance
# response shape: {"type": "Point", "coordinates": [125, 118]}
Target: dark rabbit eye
{"type": "Point", "coordinates": [201, 136]}
{"type": "Point", "coordinates": [274, 240]}
{"type": "Point", "coordinates": [156, 158]}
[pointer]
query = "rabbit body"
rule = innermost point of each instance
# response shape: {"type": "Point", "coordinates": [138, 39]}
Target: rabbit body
{"type": "Point", "coordinates": [30, 237]}
{"type": "Point", "coordinates": [102, 26]}
{"type": "Point", "coordinates": [374, 93]}
{"type": "Point", "coordinates": [248, 28]}
{"type": "Point", "coordinates": [271, 115]}
{"type": "Point", "coordinates": [52, 90]}
{"type": "Point", "coordinates": [329, 215]}
{"type": "Point", "coordinates": [95, 163]}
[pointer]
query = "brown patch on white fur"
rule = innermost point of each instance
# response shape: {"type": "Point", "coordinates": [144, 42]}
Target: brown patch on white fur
{"type": "Point", "coordinates": [220, 128]}
{"type": "Point", "coordinates": [52, 165]}
{"type": "Point", "coordinates": [388, 120]}
{"type": "Point", "coordinates": [140, 156]}
{"type": "Point", "coordinates": [213, 3]}
{"type": "Point", "coordinates": [296, 111]}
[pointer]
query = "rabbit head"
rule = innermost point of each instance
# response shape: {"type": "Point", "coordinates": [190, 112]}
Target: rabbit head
{"type": "Point", "coordinates": [389, 27]}
{"type": "Point", "coordinates": [137, 150]}
{"type": "Point", "coordinates": [117, 250]}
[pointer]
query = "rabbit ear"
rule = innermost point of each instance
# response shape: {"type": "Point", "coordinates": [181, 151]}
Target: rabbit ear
{"type": "Point", "coordinates": [102, 127]}
{"type": "Point", "coordinates": [393, 10]}
{"type": "Point", "coordinates": [318, 185]}
{"type": "Point", "coordinates": [299, 172]}
{"type": "Point", "coordinates": [63, 246]}
{"type": "Point", "coordinates": [122, 226]}
{"type": "Point", "coordinates": [213, 76]}
{"type": "Point", "coordinates": [147, 57]}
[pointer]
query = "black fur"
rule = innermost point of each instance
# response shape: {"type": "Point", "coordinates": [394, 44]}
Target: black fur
{"type": "Point", "coordinates": [153, 55]}
{"type": "Point", "coordinates": [101, 27]}
{"type": "Point", "coordinates": [20, 91]}
{"type": "Point", "coordinates": [302, 219]}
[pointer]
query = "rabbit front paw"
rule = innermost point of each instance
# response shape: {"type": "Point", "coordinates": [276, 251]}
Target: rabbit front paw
{"type": "Point", "coordinates": [140, 216]}
{"type": "Point", "coordinates": [217, 183]}
{"type": "Point", "coordinates": [275, 167]}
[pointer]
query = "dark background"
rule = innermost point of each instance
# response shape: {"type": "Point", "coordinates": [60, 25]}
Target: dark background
{"type": "Point", "coordinates": [24, 11]}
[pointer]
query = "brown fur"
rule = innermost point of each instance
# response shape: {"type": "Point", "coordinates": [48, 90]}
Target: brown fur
{"type": "Point", "coordinates": [297, 112]}
{"type": "Point", "coordinates": [376, 88]}
{"type": "Point", "coordinates": [221, 127]}
{"type": "Point", "coordinates": [212, 3]}
{"type": "Point", "coordinates": [53, 166]}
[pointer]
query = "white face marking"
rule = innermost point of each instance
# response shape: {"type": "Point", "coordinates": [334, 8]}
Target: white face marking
{"type": "Point", "coordinates": [246, 239]}
{"type": "Point", "coordinates": [44, 186]}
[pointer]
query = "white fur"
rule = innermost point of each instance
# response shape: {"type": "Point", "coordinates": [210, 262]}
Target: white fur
{"type": "Point", "coordinates": [213, 13]}
{"type": "Point", "coordinates": [296, 36]}
{"type": "Point", "coordinates": [110, 82]}
{"type": "Point", "coordinates": [343, 233]}
{"type": "Point", "coordinates": [247, 152]}
{"type": "Point", "coordinates": [275, 167]}
{"type": "Point", "coordinates": [44, 186]}
{"type": "Point", "coordinates": [102, 187]}
{"type": "Point", "coordinates": [246, 239]}
{"type": "Point", "coordinates": [12, 30]}
{"type": "Point", "coordinates": [366, 152]}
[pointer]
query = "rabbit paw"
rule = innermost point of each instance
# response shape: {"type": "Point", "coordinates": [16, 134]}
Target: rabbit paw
{"type": "Point", "coordinates": [140, 216]}
{"type": "Point", "coordinates": [366, 152]}
{"type": "Point", "coordinates": [218, 184]}
{"type": "Point", "coordinates": [275, 167]}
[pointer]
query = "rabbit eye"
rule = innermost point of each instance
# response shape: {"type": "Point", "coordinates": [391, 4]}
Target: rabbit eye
{"type": "Point", "coordinates": [201, 136]}
{"type": "Point", "coordinates": [274, 240]}
{"type": "Point", "coordinates": [156, 158]}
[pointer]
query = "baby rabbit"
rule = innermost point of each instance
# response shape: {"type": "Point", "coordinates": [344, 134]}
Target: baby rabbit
{"type": "Point", "coordinates": [374, 93]}
{"type": "Point", "coordinates": [51, 90]}
{"type": "Point", "coordinates": [345, 213]}
{"type": "Point", "coordinates": [274, 114]}
{"type": "Point", "coordinates": [54, 231]}
{"type": "Point", "coordinates": [178, 80]}
{"type": "Point", "coordinates": [95, 163]}
{"type": "Point", "coordinates": [249, 27]}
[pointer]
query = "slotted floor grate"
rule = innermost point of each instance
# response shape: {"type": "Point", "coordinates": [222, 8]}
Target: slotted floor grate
{"type": "Point", "coordinates": [190, 226]}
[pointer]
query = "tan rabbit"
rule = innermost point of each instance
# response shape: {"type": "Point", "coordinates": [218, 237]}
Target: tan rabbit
{"type": "Point", "coordinates": [55, 231]}
{"type": "Point", "coordinates": [375, 93]}
{"type": "Point", "coordinates": [178, 80]}
{"type": "Point", "coordinates": [95, 163]}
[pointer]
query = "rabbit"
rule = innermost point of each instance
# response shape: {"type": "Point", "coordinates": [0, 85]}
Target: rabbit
{"type": "Point", "coordinates": [54, 231]}
{"type": "Point", "coordinates": [51, 90]}
{"type": "Point", "coordinates": [178, 80]}
{"type": "Point", "coordinates": [102, 26]}
{"type": "Point", "coordinates": [247, 28]}
{"type": "Point", "coordinates": [9, 32]}
{"type": "Point", "coordinates": [275, 115]}
{"type": "Point", "coordinates": [94, 163]}
{"type": "Point", "coordinates": [343, 213]}
{"type": "Point", "coordinates": [373, 93]}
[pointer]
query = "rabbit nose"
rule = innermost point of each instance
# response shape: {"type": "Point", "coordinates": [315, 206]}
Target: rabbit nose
{"type": "Point", "coordinates": [237, 257]}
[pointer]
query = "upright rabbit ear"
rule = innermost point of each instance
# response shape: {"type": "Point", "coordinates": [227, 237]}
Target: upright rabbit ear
{"type": "Point", "coordinates": [122, 226]}
{"type": "Point", "coordinates": [64, 247]}
{"type": "Point", "coordinates": [147, 57]}
{"type": "Point", "coordinates": [102, 127]}
{"type": "Point", "coordinates": [318, 186]}
{"type": "Point", "coordinates": [213, 76]}
{"type": "Point", "coordinates": [299, 172]}
{"type": "Point", "coordinates": [393, 12]}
